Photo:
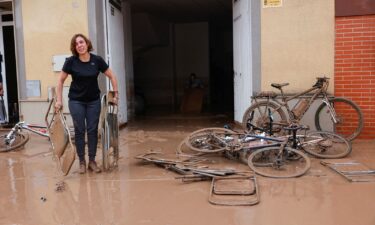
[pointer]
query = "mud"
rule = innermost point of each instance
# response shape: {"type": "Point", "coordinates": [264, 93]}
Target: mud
{"type": "Point", "coordinates": [145, 194]}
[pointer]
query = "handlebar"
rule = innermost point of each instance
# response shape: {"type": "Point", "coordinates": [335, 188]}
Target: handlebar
{"type": "Point", "coordinates": [320, 81]}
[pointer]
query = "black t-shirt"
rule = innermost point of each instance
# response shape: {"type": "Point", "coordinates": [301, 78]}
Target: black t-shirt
{"type": "Point", "coordinates": [84, 86]}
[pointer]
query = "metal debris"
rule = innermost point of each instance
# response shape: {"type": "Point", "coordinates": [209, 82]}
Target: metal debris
{"type": "Point", "coordinates": [189, 168]}
{"type": "Point", "coordinates": [234, 191]}
{"type": "Point", "coordinates": [60, 186]}
{"type": "Point", "coordinates": [224, 189]}
{"type": "Point", "coordinates": [351, 170]}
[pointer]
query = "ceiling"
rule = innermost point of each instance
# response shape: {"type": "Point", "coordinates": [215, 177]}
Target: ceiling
{"type": "Point", "coordinates": [184, 10]}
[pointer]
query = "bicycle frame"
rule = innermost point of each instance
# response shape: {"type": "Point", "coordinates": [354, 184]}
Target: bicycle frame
{"type": "Point", "coordinates": [319, 89]}
{"type": "Point", "coordinates": [294, 141]}
{"type": "Point", "coordinates": [247, 138]}
{"type": "Point", "coordinates": [276, 141]}
{"type": "Point", "coordinates": [36, 129]}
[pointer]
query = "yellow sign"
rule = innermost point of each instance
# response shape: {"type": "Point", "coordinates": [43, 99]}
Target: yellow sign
{"type": "Point", "coordinates": [272, 3]}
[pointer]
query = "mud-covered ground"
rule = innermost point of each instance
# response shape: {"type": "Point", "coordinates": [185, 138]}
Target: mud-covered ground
{"type": "Point", "coordinates": [32, 191]}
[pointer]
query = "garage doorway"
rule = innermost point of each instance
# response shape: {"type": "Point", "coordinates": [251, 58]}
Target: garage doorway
{"type": "Point", "coordinates": [172, 41]}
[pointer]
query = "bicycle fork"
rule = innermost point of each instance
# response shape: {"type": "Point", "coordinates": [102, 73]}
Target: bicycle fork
{"type": "Point", "coordinates": [11, 136]}
{"type": "Point", "coordinates": [279, 161]}
{"type": "Point", "coordinates": [9, 139]}
{"type": "Point", "coordinates": [332, 111]}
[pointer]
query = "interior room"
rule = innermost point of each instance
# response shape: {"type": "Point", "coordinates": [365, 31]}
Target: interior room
{"type": "Point", "coordinates": [173, 40]}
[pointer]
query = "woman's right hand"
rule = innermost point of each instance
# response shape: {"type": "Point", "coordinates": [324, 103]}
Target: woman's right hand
{"type": "Point", "coordinates": [58, 106]}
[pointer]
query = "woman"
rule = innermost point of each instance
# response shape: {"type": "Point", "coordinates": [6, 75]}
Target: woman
{"type": "Point", "coordinates": [84, 96]}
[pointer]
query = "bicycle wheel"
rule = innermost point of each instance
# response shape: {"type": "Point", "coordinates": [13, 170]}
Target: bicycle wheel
{"type": "Point", "coordinates": [209, 140]}
{"type": "Point", "coordinates": [258, 115]}
{"type": "Point", "coordinates": [349, 118]}
{"type": "Point", "coordinates": [269, 162]}
{"type": "Point", "coordinates": [326, 145]}
{"type": "Point", "coordinates": [18, 140]}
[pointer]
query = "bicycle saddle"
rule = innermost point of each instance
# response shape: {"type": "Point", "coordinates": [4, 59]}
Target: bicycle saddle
{"type": "Point", "coordinates": [279, 86]}
{"type": "Point", "coordinates": [296, 127]}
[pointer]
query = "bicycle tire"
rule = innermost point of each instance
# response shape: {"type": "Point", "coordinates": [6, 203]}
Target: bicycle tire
{"type": "Point", "coordinates": [262, 163]}
{"type": "Point", "coordinates": [261, 118]}
{"type": "Point", "coordinates": [203, 140]}
{"type": "Point", "coordinates": [350, 118]}
{"type": "Point", "coordinates": [20, 140]}
{"type": "Point", "coordinates": [326, 145]}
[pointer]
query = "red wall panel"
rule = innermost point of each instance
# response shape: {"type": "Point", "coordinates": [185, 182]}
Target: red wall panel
{"type": "Point", "coordinates": [355, 65]}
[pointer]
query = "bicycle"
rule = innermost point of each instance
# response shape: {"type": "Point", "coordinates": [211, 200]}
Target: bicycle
{"type": "Point", "coordinates": [346, 116]}
{"type": "Point", "coordinates": [278, 157]}
{"type": "Point", "coordinates": [16, 138]}
{"type": "Point", "coordinates": [283, 162]}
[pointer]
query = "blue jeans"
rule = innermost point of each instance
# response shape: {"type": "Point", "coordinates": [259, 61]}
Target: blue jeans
{"type": "Point", "coordinates": [85, 117]}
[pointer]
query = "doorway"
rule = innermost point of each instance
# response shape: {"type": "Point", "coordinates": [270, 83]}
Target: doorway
{"type": "Point", "coordinates": [8, 63]}
{"type": "Point", "coordinates": [170, 42]}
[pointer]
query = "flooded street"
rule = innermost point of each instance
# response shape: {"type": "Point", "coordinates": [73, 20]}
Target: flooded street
{"type": "Point", "coordinates": [32, 192]}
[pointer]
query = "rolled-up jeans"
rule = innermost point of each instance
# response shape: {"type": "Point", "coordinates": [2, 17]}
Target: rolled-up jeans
{"type": "Point", "coordinates": [85, 117]}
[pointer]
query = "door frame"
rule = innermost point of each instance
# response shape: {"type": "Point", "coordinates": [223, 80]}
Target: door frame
{"type": "Point", "coordinates": [123, 108]}
{"type": "Point", "coordinates": [247, 62]}
{"type": "Point", "coordinates": [3, 63]}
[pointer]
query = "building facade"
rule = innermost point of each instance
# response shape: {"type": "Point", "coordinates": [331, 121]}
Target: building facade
{"type": "Point", "coordinates": [265, 42]}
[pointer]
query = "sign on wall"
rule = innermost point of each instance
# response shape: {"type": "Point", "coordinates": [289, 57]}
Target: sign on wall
{"type": "Point", "coordinates": [33, 88]}
{"type": "Point", "coordinates": [272, 3]}
{"type": "Point", "coordinates": [58, 62]}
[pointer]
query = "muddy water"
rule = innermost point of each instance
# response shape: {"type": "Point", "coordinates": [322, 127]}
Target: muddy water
{"type": "Point", "coordinates": [145, 194]}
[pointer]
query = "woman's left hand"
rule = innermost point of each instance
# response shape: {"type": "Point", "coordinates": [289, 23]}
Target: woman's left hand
{"type": "Point", "coordinates": [114, 100]}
